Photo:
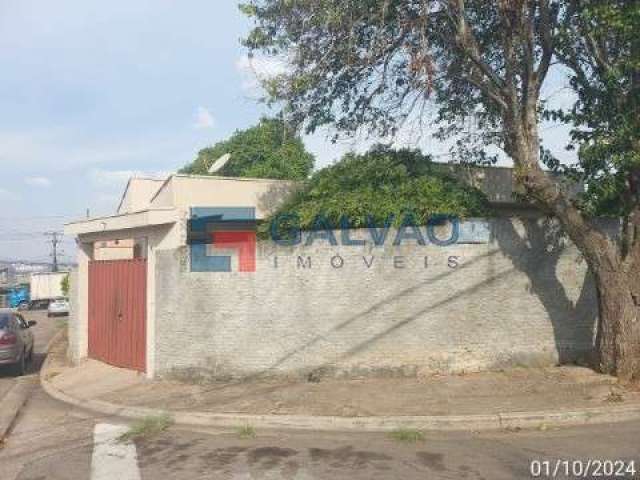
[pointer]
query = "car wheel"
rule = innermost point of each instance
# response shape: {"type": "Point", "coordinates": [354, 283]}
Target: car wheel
{"type": "Point", "coordinates": [20, 367]}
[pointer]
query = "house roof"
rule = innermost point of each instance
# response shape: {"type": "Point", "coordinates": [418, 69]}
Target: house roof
{"type": "Point", "coordinates": [122, 221]}
{"type": "Point", "coordinates": [141, 187]}
{"type": "Point", "coordinates": [152, 201]}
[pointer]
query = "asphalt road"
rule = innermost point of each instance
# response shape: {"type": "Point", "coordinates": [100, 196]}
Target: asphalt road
{"type": "Point", "coordinates": [53, 441]}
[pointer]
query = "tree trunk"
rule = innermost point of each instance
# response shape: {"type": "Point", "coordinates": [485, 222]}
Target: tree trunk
{"type": "Point", "coordinates": [617, 281]}
{"type": "Point", "coordinates": [618, 336]}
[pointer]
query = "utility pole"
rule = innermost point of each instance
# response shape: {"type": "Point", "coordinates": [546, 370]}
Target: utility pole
{"type": "Point", "coordinates": [55, 240]}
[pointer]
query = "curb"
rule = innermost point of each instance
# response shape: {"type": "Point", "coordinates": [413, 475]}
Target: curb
{"type": "Point", "coordinates": [12, 403]}
{"type": "Point", "coordinates": [50, 345]}
{"type": "Point", "coordinates": [499, 421]}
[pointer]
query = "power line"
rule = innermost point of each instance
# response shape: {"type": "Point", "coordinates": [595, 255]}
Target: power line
{"type": "Point", "coordinates": [55, 241]}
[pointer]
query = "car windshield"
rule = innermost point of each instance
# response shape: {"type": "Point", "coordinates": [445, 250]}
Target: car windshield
{"type": "Point", "coordinates": [4, 320]}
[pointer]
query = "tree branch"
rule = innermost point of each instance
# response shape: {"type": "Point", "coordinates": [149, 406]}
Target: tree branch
{"type": "Point", "coordinates": [478, 82]}
{"type": "Point", "coordinates": [598, 54]}
{"type": "Point", "coordinates": [467, 42]}
{"type": "Point", "coordinates": [596, 246]}
{"type": "Point", "coordinates": [547, 26]}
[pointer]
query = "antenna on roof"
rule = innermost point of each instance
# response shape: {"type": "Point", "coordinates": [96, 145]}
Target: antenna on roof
{"type": "Point", "coordinates": [219, 163]}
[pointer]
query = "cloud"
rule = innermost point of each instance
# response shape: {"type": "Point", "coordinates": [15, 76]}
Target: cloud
{"type": "Point", "coordinates": [60, 150]}
{"type": "Point", "coordinates": [7, 194]}
{"type": "Point", "coordinates": [255, 70]}
{"type": "Point", "coordinates": [204, 119]}
{"type": "Point", "coordinates": [37, 181]}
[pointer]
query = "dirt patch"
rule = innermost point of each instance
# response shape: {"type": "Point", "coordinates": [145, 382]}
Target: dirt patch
{"type": "Point", "coordinates": [268, 458]}
{"type": "Point", "coordinates": [222, 457]}
{"type": "Point", "coordinates": [346, 456]}
{"type": "Point", "coordinates": [433, 461]}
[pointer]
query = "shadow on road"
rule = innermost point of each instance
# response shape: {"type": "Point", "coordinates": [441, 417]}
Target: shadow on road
{"type": "Point", "coordinates": [33, 367]}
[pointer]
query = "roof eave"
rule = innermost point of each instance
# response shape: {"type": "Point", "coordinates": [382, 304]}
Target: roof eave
{"type": "Point", "coordinates": [125, 221]}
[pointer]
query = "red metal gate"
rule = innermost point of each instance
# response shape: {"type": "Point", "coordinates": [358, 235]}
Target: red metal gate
{"type": "Point", "coordinates": [118, 312]}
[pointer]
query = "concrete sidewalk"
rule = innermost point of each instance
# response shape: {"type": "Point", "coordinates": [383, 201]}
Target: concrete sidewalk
{"type": "Point", "coordinates": [519, 397]}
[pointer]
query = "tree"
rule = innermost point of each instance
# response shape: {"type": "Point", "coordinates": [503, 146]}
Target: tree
{"type": "Point", "coordinates": [604, 58]}
{"type": "Point", "coordinates": [382, 185]}
{"type": "Point", "coordinates": [64, 285]}
{"type": "Point", "coordinates": [268, 150]}
{"type": "Point", "coordinates": [481, 64]}
{"type": "Point", "coordinates": [599, 43]}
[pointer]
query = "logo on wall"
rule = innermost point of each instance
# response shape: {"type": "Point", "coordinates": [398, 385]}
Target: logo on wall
{"type": "Point", "coordinates": [222, 239]}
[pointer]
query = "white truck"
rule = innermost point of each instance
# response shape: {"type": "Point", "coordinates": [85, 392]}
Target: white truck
{"type": "Point", "coordinates": [44, 287]}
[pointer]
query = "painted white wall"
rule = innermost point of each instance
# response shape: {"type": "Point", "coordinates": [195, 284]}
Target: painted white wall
{"type": "Point", "coordinates": [78, 327]}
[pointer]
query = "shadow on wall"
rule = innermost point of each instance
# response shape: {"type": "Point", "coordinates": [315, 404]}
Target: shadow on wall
{"type": "Point", "coordinates": [395, 324]}
{"type": "Point", "coordinates": [536, 252]}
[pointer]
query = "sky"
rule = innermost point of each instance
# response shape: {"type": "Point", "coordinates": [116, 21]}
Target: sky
{"type": "Point", "coordinates": [93, 92]}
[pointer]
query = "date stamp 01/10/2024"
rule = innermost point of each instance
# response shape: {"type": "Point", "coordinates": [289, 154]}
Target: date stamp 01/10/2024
{"type": "Point", "coordinates": [590, 468]}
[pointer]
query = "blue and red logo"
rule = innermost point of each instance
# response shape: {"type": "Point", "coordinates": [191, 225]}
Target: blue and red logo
{"type": "Point", "coordinates": [223, 239]}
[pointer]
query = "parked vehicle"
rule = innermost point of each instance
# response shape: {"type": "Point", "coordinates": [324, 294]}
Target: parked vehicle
{"type": "Point", "coordinates": [45, 287]}
{"type": "Point", "coordinates": [18, 297]}
{"type": "Point", "coordinates": [58, 307]}
{"type": "Point", "coordinates": [16, 340]}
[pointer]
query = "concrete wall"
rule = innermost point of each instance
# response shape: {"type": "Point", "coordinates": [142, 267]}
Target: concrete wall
{"type": "Point", "coordinates": [523, 297]}
{"type": "Point", "coordinates": [499, 183]}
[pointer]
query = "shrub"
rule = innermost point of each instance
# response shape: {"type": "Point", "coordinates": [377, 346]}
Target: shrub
{"type": "Point", "coordinates": [383, 184]}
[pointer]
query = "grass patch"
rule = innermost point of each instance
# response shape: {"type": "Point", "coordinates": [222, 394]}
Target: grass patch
{"type": "Point", "coordinates": [407, 435]}
{"type": "Point", "coordinates": [146, 427]}
{"type": "Point", "coordinates": [62, 323]}
{"type": "Point", "coordinates": [246, 432]}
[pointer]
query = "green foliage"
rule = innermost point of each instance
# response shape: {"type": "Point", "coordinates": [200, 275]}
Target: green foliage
{"type": "Point", "coordinates": [383, 183]}
{"type": "Point", "coordinates": [377, 64]}
{"type": "Point", "coordinates": [601, 46]}
{"type": "Point", "coordinates": [146, 427]}
{"type": "Point", "coordinates": [407, 435]}
{"type": "Point", "coordinates": [267, 150]}
{"type": "Point", "coordinates": [64, 285]}
{"type": "Point", "coordinates": [246, 432]}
